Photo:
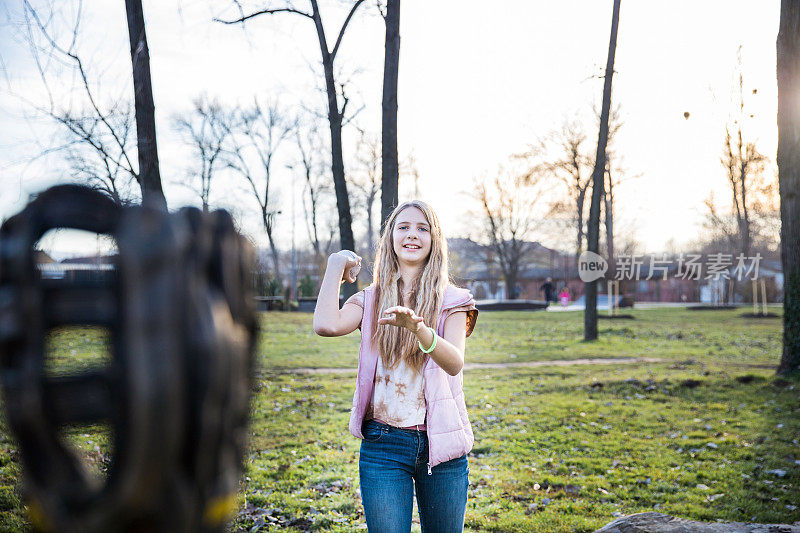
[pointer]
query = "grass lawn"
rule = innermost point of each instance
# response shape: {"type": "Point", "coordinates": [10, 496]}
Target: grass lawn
{"type": "Point", "coordinates": [509, 336]}
{"type": "Point", "coordinates": [702, 435]}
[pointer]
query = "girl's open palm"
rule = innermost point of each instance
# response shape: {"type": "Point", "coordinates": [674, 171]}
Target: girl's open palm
{"type": "Point", "coordinates": [402, 317]}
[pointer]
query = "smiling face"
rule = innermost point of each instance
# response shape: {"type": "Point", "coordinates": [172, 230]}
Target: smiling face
{"type": "Point", "coordinates": [411, 237]}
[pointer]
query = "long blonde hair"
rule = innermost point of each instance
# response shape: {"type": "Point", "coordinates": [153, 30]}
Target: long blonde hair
{"type": "Point", "coordinates": [395, 344]}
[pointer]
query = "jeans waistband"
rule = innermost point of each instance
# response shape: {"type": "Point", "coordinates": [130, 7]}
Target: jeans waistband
{"type": "Point", "coordinates": [417, 427]}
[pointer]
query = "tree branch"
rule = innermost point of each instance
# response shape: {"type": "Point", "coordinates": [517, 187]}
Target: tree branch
{"type": "Point", "coordinates": [344, 26]}
{"type": "Point", "coordinates": [84, 78]}
{"type": "Point", "coordinates": [264, 12]}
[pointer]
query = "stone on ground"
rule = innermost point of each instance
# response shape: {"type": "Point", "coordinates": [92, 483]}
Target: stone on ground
{"type": "Point", "coordinates": [661, 523]}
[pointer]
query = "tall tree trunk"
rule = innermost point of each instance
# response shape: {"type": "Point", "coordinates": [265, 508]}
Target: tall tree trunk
{"type": "Point", "coordinates": [370, 233]}
{"type": "Point", "coordinates": [746, 231]}
{"type": "Point", "coordinates": [579, 205]}
{"type": "Point", "coordinates": [390, 168]}
{"type": "Point", "coordinates": [511, 283]}
{"type": "Point", "coordinates": [608, 199]}
{"type": "Point", "coordinates": [335, 115]}
{"type": "Point", "coordinates": [598, 177]}
{"type": "Point", "coordinates": [340, 185]}
{"type": "Point", "coordinates": [266, 218]}
{"type": "Point", "coordinates": [788, 48]}
{"type": "Point", "coordinates": [275, 259]}
{"type": "Point", "coordinates": [149, 175]}
{"type": "Point", "coordinates": [337, 160]}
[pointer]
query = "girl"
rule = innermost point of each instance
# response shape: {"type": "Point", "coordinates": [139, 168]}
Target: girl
{"type": "Point", "coordinates": [408, 406]}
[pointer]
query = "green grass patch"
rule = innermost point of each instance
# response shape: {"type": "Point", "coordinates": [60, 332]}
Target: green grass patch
{"type": "Point", "coordinates": [289, 340]}
{"type": "Point", "coordinates": [558, 449]}
{"type": "Point", "coordinates": [73, 349]}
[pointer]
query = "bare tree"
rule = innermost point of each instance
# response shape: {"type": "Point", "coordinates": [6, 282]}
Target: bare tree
{"type": "Point", "coordinates": [96, 129]}
{"type": "Point", "coordinates": [744, 166]}
{"type": "Point", "coordinates": [254, 138]}
{"type": "Point", "coordinates": [410, 169]}
{"type": "Point", "coordinates": [97, 139]}
{"type": "Point", "coordinates": [748, 222]}
{"type": "Point", "coordinates": [508, 210]}
{"type": "Point", "coordinates": [93, 156]}
{"type": "Point", "coordinates": [741, 163]}
{"type": "Point", "coordinates": [614, 171]}
{"type": "Point", "coordinates": [336, 114]}
{"type": "Point", "coordinates": [571, 167]}
{"type": "Point", "coordinates": [206, 129]}
{"type": "Point", "coordinates": [723, 227]}
{"type": "Point", "coordinates": [149, 174]}
{"type": "Point", "coordinates": [723, 231]}
{"type": "Point", "coordinates": [367, 183]}
{"type": "Point", "coordinates": [310, 147]}
{"type": "Point", "coordinates": [788, 51]}
{"type": "Point", "coordinates": [390, 167]}
{"type": "Point", "coordinates": [593, 233]}
{"type": "Point", "coordinates": [608, 212]}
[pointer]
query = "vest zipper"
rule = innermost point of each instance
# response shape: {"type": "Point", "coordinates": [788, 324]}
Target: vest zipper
{"type": "Point", "coordinates": [430, 473]}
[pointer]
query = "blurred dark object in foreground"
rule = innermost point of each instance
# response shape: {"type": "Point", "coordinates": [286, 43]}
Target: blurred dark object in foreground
{"type": "Point", "coordinates": [175, 394]}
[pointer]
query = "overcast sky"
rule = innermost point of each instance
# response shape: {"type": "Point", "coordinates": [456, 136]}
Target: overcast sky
{"type": "Point", "coordinates": [477, 84]}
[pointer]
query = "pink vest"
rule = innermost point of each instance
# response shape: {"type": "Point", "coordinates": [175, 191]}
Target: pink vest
{"type": "Point", "coordinates": [449, 431]}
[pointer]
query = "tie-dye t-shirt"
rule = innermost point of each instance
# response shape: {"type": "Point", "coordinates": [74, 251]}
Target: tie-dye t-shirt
{"type": "Point", "coordinates": [398, 397]}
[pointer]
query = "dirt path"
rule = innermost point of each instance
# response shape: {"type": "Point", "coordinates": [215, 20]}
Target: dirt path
{"type": "Point", "coordinates": [524, 364]}
{"type": "Point", "coordinates": [483, 366]}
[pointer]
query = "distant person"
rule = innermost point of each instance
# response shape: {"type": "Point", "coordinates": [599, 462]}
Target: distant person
{"type": "Point", "coordinates": [549, 290]}
{"type": "Point", "coordinates": [564, 296]}
{"type": "Point", "coordinates": [414, 427]}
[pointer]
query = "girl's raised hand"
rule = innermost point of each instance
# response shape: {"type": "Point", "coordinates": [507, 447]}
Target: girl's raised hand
{"type": "Point", "coordinates": [352, 265]}
{"type": "Point", "coordinates": [402, 317]}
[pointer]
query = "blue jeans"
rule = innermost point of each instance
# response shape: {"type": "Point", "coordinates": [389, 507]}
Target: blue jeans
{"type": "Point", "coordinates": [393, 462]}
